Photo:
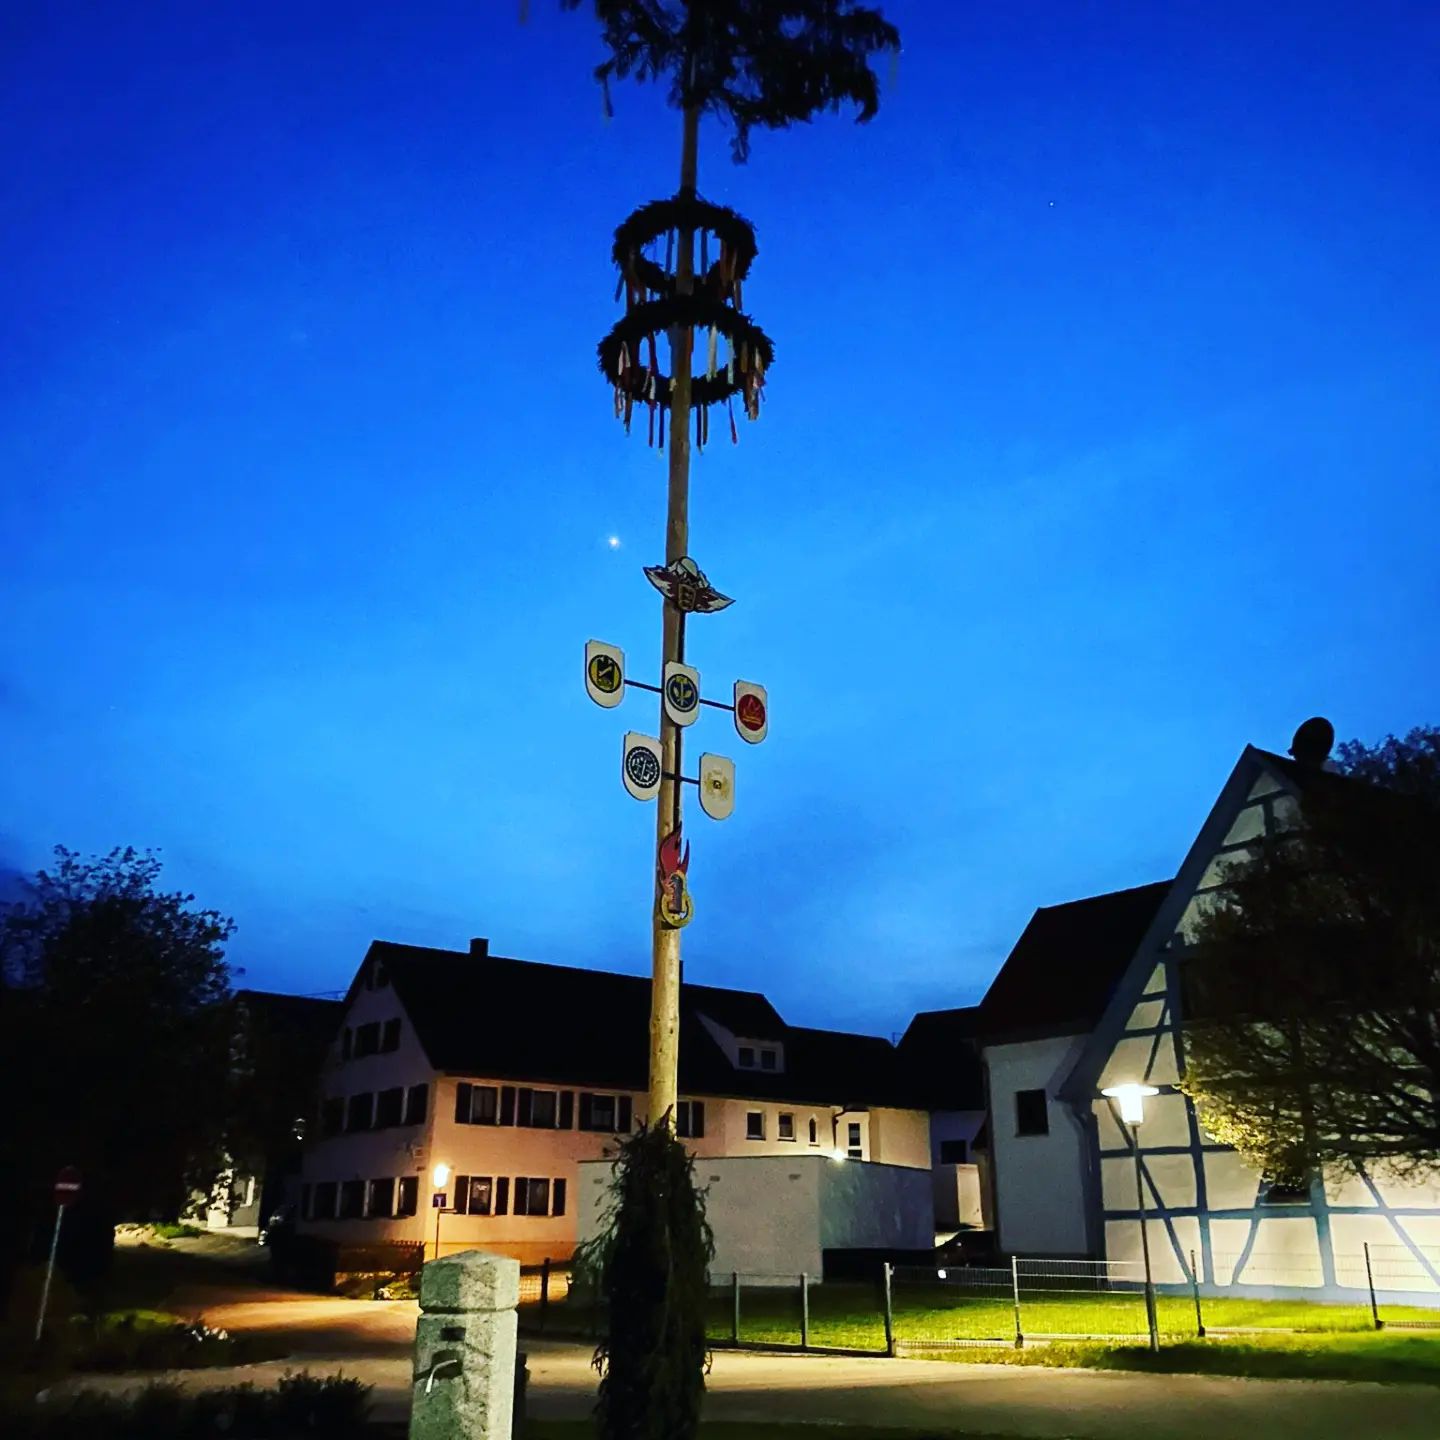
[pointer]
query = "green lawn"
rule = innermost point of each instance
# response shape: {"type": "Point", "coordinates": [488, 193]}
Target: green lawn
{"type": "Point", "coordinates": [584, 1430]}
{"type": "Point", "coordinates": [1387, 1356]}
{"type": "Point", "coordinates": [850, 1316]}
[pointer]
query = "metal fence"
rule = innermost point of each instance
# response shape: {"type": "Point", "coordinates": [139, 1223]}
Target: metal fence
{"type": "Point", "coordinates": [1056, 1300]}
{"type": "Point", "coordinates": [914, 1309]}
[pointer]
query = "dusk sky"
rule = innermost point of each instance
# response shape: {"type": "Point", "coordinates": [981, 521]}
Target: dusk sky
{"type": "Point", "coordinates": [1101, 439]}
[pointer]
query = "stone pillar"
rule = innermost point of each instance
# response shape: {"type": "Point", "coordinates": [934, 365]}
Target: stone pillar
{"type": "Point", "coordinates": [464, 1387]}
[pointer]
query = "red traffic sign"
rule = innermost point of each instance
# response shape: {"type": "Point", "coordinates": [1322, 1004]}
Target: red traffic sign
{"type": "Point", "coordinates": [67, 1185]}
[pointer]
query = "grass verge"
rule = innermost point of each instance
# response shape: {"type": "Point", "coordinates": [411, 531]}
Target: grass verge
{"type": "Point", "coordinates": [725, 1430]}
{"type": "Point", "coordinates": [1388, 1357]}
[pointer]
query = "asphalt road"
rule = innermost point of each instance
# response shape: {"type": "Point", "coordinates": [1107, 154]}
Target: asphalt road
{"type": "Point", "coordinates": [370, 1340]}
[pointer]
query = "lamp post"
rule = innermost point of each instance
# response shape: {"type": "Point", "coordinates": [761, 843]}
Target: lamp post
{"type": "Point", "coordinates": [439, 1175]}
{"type": "Point", "coordinates": [1131, 1099]}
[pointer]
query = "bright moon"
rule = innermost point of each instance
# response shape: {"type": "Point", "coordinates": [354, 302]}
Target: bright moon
{"type": "Point", "coordinates": [613, 542]}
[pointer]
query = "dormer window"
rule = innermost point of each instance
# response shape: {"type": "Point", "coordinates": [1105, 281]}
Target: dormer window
{"type": "Point", "coordinates": [747, 1057]}
{"type": "Point", "coordinates": [768, 1059]}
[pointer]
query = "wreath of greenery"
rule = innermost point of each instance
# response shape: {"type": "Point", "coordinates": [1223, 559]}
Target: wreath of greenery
{"type": "Point", "coordinates": [658, 217]}
{"type": "Point", "coordinates": [697, 312]}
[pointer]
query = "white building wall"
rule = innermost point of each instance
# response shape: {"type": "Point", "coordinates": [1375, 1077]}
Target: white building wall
{"type": "Point", "coordinates": [1038, 1179]}
{"type": "Point", "coordinates": [774, 1216]}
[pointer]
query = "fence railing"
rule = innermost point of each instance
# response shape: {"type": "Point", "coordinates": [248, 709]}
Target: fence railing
{"type": "Point", "coordinates": [914, 1309]}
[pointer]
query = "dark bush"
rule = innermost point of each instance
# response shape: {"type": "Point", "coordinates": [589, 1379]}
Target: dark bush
{"type": "Point", "coordinates": [300, 1406]}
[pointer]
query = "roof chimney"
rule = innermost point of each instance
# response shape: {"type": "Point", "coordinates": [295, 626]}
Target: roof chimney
{"type": "Point", "coordinates": [479, 947]}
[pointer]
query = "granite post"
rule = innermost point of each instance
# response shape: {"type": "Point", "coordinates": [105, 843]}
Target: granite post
{"type": "Point", "coordinates": [465, 1341]}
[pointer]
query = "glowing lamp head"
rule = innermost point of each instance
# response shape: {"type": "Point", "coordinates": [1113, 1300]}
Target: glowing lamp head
{"type": "Point", "coordinates": [440, 1174]}
{"type": "Point", "coordinates": [1131, 1099]}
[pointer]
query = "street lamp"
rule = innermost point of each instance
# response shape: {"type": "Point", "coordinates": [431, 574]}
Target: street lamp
{"type": "Point", "coordinates": [1131, 1100]}
{"type": "Point", "coordinates": [440, 1174]}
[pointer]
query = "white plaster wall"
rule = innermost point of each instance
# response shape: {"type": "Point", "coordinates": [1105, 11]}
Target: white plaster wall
{"type": "Point", "coordinates": [959, 1198]}
{"type": "Point", "coordinates": [1039, 1187]}
{"type": "Point", "coordinates": [900, 1137]}
{"type": "Point", "coordinates": [373, 1154]}
{"type": "Point", "coordinates": [774, 1215]}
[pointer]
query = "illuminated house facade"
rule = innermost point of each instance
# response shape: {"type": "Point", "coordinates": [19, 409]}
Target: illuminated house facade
{"type": "Point", "coordinates": [1202, 1199]}
{"type": "Point", "coordinates": [1092, 997]}
{"type": "Point", "coordinates": [511, 1074]}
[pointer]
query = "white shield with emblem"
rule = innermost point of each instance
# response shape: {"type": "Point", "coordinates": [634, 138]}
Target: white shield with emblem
{"type": "Point", "coordinates": [681, 692]}
{"type": "Point", "coordinates": [640, 765]}
{"type": "Point", "coordinates": [604, 673]}
{"type": "Point", "coordinates": [717, 786]}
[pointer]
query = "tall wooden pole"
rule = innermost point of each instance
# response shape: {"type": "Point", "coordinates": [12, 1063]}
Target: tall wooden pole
{"type": "Point", "coordinates": [665, 951]}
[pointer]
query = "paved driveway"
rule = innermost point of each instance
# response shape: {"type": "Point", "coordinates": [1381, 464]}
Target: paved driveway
{"type": "Point", "coordinates": [917, 1394]}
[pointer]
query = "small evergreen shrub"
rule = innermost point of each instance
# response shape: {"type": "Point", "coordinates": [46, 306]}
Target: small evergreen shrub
{"type": "Point", "coordinates": [651, 1265]}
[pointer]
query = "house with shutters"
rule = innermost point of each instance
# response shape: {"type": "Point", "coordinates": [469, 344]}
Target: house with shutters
{"type": "Point", "coordinates": [512, 1073]}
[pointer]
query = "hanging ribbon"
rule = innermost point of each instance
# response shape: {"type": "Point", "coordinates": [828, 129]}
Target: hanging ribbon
{"type": "Point", "coordinates": [734, 433]}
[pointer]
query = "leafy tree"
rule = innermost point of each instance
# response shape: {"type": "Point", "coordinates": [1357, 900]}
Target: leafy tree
{"type": "Point", "coordinates": [651, 1262]}
{"type": "Point", "coordinates": [1313, 991]}
{"type": "Point", "coordinates": [115, 1021]}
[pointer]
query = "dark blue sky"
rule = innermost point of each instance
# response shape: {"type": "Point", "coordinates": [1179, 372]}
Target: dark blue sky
{"type": "Point", "coordinates": [1101, 439]}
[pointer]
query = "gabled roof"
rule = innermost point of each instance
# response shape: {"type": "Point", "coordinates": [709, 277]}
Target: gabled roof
{"type": "Point", "coordinates": [501, 1018]}
{"type": "Point", "coordinates": [1066, 964]}
{"type": "Point", "coordinates": [940, 1053]}
{"type": "Point", "coordinates": [1253, 765]}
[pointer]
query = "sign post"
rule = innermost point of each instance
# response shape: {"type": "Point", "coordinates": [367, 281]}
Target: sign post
{"type": "Point", "coordinates": [67, 1187]}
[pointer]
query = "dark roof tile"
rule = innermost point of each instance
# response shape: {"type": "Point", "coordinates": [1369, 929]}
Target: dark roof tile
{"type": "Point", "coordinates": [1066, 963]}
{"type": "Point", "coordinates": [488, 1015]}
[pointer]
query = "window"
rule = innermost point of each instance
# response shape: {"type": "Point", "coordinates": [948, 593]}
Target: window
{"type": "Point", "coordinates": [1032, 1114]}
{"type": "Point", "coordinates": [814, 1132]}
{"type": "Point", "coordinates": [476, 1104]}
{"type": "Point", "coordinates": [785, 1127]}
{"type": "Point", "coordinates": [367, 1040]}
{"type": "Point", "coordinates": [389, 1106]}
{"type": "Point", "coordinates": [747, 1057]}
{"type": "Point", "coordinates": [1285, 1190]}
{"type": "Point", "coordinates": [360, 1112]}
{"type": "Point", "coordinates": [417, 1099]}
{"type": "Point", "coordinates": [477, 1196]}
{"type": "Point", "coordinates": [380, 1202]}
{"type": "Point", "coordinates": [532, 1196]}
{"type": "Point", "coordinates": [768, 1059]}
{"type": "Point", "coordinates": [754, 1124]}
{"type": "Point", "coordinates": [539, 1109]}
{"type": "Point", "coordinates": [379, 976]}
{"type": "Point", "coordinates": [853, 1145]}
{"type": "Point", "coordinates": [390, 1036]}
{"type": "Point", "coordinates": [597, 1112]}
{"type": "Point", "coordinates": [352, 1199]}
{"type": "Point", "coordinates": [608, 1114]}
{"type": "Point", "coordinates": [408, 1199]}
{"type": "Point", "coordinates": [690, 1119]}
{"type": "Point", "coordinates": [332, 1116]}
{"type": "Point", "coordinates": [325, 1193]}
{"type": "Point", "coordinates": [953, 1152]}
{"type": "Point", "coordinates": [347, 1043]}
